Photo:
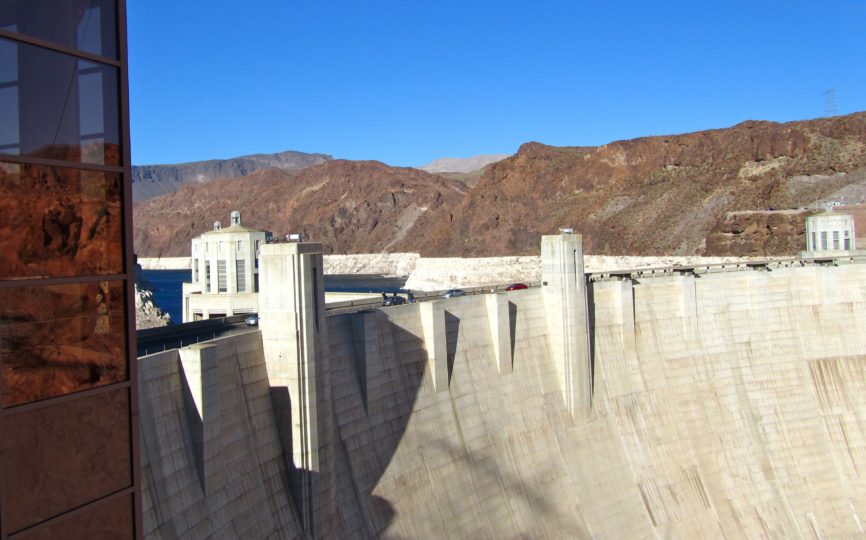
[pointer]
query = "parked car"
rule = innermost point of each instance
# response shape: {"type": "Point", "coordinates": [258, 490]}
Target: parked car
{"type": "Point", "coordinates": [392, 300]}
{"type": "Point", "coordinates": [516, 287]}
{"type": "Point", "coordinates": [454, 293]}
{"type": "Point", "coordinates": [252, 320]}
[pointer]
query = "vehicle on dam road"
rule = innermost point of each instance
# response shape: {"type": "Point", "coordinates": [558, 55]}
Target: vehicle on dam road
{"type": "Point", "coordinates": [392, 300]}
{"type": "Point", "coordinates": [454, 293]}
{"type": "Point", "coordinates": [252, 320]}
{"type": "Point", "coordinates": [516, 287]}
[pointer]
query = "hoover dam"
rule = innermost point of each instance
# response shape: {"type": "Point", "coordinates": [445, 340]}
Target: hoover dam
{"type": "Point", "coordinates": [705, 402]}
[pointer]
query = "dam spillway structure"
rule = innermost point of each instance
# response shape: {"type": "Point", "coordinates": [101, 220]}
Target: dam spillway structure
{"type": "Point", "coordinates": [717, 401]}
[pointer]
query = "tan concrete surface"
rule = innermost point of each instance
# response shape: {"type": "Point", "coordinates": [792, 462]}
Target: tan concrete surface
{"type": "Point", "coordinates": [295, 347]}
{"type": "Point", "coordinates": [247, 494]}
{"type": "Point", "coordinates": [724, 405]}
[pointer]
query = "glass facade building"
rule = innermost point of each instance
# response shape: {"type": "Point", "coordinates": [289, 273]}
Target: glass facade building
{"type": "Point", "coordinates": [69, 465]}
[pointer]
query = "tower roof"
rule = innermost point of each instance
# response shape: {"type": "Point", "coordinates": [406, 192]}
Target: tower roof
{"type": "Point", "coordinates": [236, 226]}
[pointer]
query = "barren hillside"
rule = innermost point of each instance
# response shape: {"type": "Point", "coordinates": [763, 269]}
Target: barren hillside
{"type": "Point", "coordinates": [150, 181]}
{"type": "Point", "coordinates": [350, 206]}
{"type": "Point", "coordinates": [653, 195]}
{"type": "Point", "coordinates": [700, 193]}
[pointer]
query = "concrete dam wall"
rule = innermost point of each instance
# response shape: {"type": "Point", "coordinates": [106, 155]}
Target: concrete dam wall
{"type": "Point", "coordinates": [707, 404]}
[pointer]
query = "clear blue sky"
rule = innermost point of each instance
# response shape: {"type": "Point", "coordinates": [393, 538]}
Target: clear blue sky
{"type": "Point", "coordinates": [406, 82]}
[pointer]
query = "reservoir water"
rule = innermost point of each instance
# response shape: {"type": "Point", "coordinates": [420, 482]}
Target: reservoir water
{"type": "Point", "coordinates": [168, 289]}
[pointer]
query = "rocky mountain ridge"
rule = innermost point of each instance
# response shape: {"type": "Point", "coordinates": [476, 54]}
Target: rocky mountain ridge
{"type": "Point", "coordinates": [150, 181]}
{"type": "Point", "coordinates": [462, 165]}
{"type": "Point", "coordinates": [660, 195]}
{"type": "Point", "coordinates": [657, 195]}
{"type": "Point", "coordinates": [347, 205]}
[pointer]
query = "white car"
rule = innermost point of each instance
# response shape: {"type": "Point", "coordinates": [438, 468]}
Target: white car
{"type": "Point", "coordinates": [454, 293]}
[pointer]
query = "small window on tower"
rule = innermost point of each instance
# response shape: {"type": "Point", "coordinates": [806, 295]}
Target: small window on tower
{"type": "Point", "coordinates": [222, 281]}
{"type": "Point", "coordinates": [240, 275]}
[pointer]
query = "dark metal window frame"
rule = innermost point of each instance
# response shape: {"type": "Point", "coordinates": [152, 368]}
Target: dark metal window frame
{"type": "Point", "coordinates": [128, 276]}
{"type": "Point", "coordinates": [122, 98]}
{"type": "Point", "coordinates": [72, 51]}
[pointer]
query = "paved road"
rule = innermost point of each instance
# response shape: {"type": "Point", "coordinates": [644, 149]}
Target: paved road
{"type": "Point", "coordinates": [183, 338]}
{"type": "Point", "coordinates": [181, 335]}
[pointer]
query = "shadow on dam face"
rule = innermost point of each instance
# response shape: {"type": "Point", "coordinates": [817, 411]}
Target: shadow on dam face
{"type": "Point", "coordinates": [512, 328]}
{"type": "Point", "coordinates": [590, 322]}
{"type": "Point", "coordinates": [368, 436]}
{"type": "Point", "coordinates": [734, 410]}
{"type": "Point", "coordinates": [376, 375]}
{"type": "Point", "coordinates": [528, 494]}
{"type": "Point", "coordinates": [452, 330]}
{"type": "Point", "coordinates": [282, 403]}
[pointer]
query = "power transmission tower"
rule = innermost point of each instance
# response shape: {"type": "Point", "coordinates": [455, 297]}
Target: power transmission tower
{"type": "Point", "coordinates": [830, 102]}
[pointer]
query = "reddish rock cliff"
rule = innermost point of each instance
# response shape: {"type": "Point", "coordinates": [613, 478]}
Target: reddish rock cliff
{"type": "Point", "coordinates": [759, 233]}
{"type": "Point", "coordinates": [349, 206]}
{"type": "Point", "coordinates": [647, 196]}
{"type": "Point", "coordinates": [653, 195]}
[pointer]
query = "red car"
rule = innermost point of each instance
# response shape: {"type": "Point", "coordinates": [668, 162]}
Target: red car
{"type": "Point", "coordinates": [516, 287]}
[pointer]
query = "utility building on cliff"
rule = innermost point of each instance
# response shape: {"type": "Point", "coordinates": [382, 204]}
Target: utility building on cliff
{"type": "Point", "coordinates": [225, 271]}
{"type": "Point", "coordinates": [829, 233]}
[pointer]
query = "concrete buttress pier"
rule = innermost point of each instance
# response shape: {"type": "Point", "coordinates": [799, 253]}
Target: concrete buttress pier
{"type": "Point", "coordinates": [201, 399]}
{"type": "Point", "coordinates": [433, 324]}
{"type": "Point", "coordinates": [292, 321]}
{"type": "Point", "coordinates": [499, 320]}
{"type": "Point", "coordinates": [563, 293]}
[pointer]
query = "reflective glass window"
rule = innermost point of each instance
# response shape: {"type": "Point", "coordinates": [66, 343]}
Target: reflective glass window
{"type": "Point", "coordinates": [65, 455]}
{"type": "Point", "coordinates": [57, 106]}
{"type": "Point", "coordinates": [112, 520]}
{"type": "Point", "coordinates": [59, 222]}
{"type": "Point", "coordinates": [59, 339]}
{"type": "Point", "coordinates": [87, 25]}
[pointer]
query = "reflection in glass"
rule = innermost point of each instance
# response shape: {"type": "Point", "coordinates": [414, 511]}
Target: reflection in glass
{"type": "Point", "coordinates": [59, 222]}
{"type": "Point", "coordinates": [56, 106]}
{"type": "Point", "coordinates": [59, 339]}
{"type": "Point", "coordinates": [9, 97]}
{"type": "Point", "coordinates": [87, 25]}
{"type": "Point", "coordinates": [63, 456]}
